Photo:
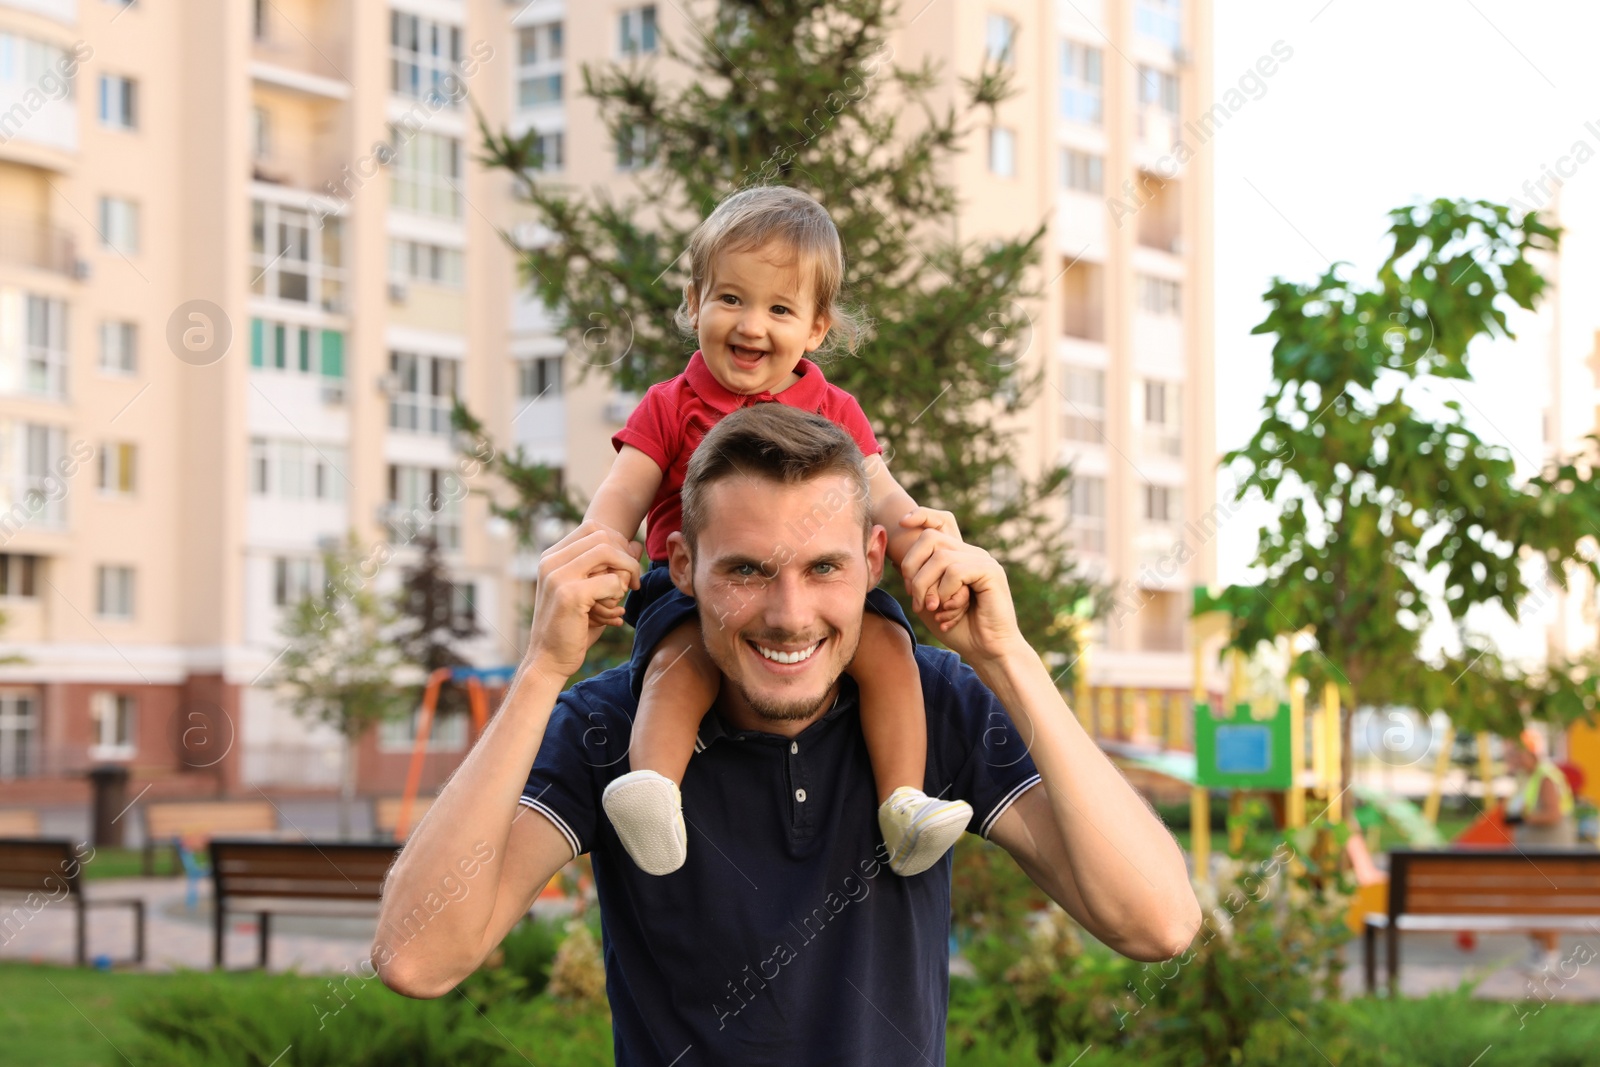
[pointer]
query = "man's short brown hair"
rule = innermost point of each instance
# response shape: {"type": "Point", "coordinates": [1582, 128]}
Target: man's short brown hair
{"type": "Point", "coordinates": [779, 443]}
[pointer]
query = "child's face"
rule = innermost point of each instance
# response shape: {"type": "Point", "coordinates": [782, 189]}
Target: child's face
{"type": "Point", "coordinates": [756, 319]}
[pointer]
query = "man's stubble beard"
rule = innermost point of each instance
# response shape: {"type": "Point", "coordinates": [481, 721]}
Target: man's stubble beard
{"type": "Point", "coordinates": [772, 711]}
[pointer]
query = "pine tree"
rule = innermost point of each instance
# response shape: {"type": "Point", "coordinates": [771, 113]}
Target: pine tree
{"type": "Point", "coordinates": [432, 623]}
{"type": "Point", "coordinates": [807, 93]}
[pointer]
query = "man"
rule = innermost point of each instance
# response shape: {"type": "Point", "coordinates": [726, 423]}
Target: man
{"type": "Point", "coordinates": [784, 939]}
{"type": "Point", "coordinates": [1541, 811]}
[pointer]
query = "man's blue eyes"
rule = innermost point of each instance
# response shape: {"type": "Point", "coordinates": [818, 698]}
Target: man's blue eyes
{"type": "Point", "coordinates": [751, 570]}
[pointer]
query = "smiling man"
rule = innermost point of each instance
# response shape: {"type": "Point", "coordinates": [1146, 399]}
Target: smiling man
{"type": "Point", "coordinates": [784, 939]}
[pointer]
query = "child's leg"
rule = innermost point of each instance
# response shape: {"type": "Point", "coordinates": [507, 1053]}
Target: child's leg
{"type": "Point", "coordinates": [892, 717]}
{"type": "Point", "coordinates": [644, 805]}
{"type": "Point", "coordinates": [917, 829]}
{"type": "Point", "coordinates": [679, 685]}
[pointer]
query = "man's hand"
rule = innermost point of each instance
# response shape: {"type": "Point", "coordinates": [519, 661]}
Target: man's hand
{"type": "Point", "coordinates": [937, 566]}
{"type": "Point", "coordinates": [948, 611]}
{"type": "Point", "coordinates": [589, 566]}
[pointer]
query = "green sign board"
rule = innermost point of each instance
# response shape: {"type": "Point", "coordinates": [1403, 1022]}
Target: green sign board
{"type": "Point", "coordinates": [1242, 752]}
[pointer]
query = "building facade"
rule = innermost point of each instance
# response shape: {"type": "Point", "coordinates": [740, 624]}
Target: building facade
{"type": "Point", "coordinates": [248, 257]}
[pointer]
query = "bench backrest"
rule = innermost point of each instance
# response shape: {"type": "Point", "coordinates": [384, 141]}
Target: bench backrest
{"type": "Point", "coordinates": [48, 866]}
{"type": "Point", "coordinates": [165, 821]}
{"type": "Point", "coordinates": [386, 813]}
{"type": "Point", "coordinates": [19, 822]}
{"type": "Point", "coordinates": [300, 869]}
{"type": "Point", "coordinates": [1482, 882]}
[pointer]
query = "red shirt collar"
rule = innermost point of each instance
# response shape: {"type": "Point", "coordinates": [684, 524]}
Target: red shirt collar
{"type": "Point", "coordinates": [807, 393]}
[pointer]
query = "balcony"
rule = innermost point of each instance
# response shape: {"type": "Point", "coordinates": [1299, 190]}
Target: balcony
{"type": "Point", "coordinates": [62, 11]}
{"type": "Point", "coordinates": [296, 49]}
{"type": "Point", "coordinates": [34, 243]}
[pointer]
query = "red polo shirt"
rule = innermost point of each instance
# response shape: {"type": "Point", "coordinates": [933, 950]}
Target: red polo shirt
{"type": "Point", "coordinates": [674, 415]}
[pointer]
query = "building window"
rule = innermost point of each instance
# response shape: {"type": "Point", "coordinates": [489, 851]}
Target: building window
{"type": "Point", "coordinates": [258, 18]}
{"type": "Point", "coordinates": [417, 261]}
{"type": "Point", "coordinates": [1084, 389]}
{"type": "Point", "coordinates": [18, 728]}
{"type": "Point", "coordinates": [1080, 82]}
{"type": "Point", "coordinates": [1002, 152]}
{"type": "Point", "coordinates": [119, 225]}
{"type": "Point", "coordinates": [634, 147]}
{"type": "Point", "coordinates": [552, 149]}
{"type": "Point", "coordinates": [112, 715]}
{"type": "Point", "coordinates": [538, 377]}
{"type": "Point", "coordinates": [425, 56]}
{"type": "Point", "coordinates": [1163, 504]}
{"type": "Point", "coordinates": [117, 462]}
{"type": "Point", "coordinates": [539, 51]}
{"type": "Point", "coordinates": [1082, 171]}
{"type": "Point", "coordinates": [1157, 88]}
{"type": "Point", "coordinates": [119, 347]}
{"type": "Point", "coordinates": [37, 494]}
{"type": "Point", "coordinates": [296, 349]}
{"type": "Point", "coordinates": [294, 260]}
{"type": "Point", "coordinates": [637, 30]}
{"type": "Point", "coordinates": [294, 578]}
{"type": "Point", "coordinates": [1000, 40]}
{"type": "Point", "coordinates": [1160, 296]}
{"type": "Point", "coordinates": [1163, 421]}
{"type": "Point", "coordinates": [425, 389]}
{"type": "Point", "coordinates": [424, 497]}
{"type": "Point", "coordinates": [1086, 512]}
{"type": "Point", "coordinates": [293, 469]}
{"type": "Point", "coordinates": [17, 575]}
{"type": "Point", "coordinates": [464, 604]}
{"type": "Point", "coordinates": [260, 133]}
{"type": "Point", "coordinates": [427, 174]}
{"type": "Point", "coordinates": [114, 592]}
{"type": "Point", "coordinates": [119, 102]}
{"type": "Point", "coordinates": [44, 357]}
{"type": "Point", "coordinates": [1160, 20]}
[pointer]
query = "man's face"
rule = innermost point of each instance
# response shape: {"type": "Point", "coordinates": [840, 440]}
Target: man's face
{"type": "Point", "coordinates": [781, 574]}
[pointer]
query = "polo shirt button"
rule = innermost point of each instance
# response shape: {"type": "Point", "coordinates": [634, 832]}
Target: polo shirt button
{"type": "Point", "coordinates": [800, 795]}
{"type": "Point", "coordinates": [794, 746]}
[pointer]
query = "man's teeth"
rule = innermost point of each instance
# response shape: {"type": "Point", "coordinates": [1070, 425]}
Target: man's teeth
{"type": "Point", "coordinates": [787, 657]}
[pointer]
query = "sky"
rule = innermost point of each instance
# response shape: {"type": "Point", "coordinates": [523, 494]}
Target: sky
{"type": "Point", "coordinates": [1380, 105]}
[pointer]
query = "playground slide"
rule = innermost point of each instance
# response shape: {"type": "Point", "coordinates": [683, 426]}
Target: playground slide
{"type": "Point", "coordinates": [1402, 814]}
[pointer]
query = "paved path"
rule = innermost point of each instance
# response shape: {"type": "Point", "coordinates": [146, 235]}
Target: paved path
{"type": "Point", "coordinates": [1434, 962]}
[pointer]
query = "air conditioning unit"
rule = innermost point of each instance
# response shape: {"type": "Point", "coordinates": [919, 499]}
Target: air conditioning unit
{"type": "Point", "coordinates": [389, 384]}
{"type": "Point", "coordinates": [398, 292]}
{"type": "Point", "coordinates": [81, 269]}
{"type": "Point", "coordinates": [333, 392]}
{"type": "Point", "coordinates": [1180, 55]}
{"type": "Point", "coordinates": [329, 543]}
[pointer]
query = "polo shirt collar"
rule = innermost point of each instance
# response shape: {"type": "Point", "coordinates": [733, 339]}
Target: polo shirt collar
{"type": "Point", "coordinates": [712, 726]}
{"type": "Point", "coordinates": [807, 393]}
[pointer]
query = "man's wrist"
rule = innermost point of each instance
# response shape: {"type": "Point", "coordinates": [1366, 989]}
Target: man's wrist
{"type": "Point", "coordinates": [1007, 665]}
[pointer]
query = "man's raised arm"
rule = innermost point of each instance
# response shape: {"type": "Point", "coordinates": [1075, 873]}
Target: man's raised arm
{"type": "Point", "coordinates": [1086, 837]}
{"type": "Point", "coordinates": [471, 868]}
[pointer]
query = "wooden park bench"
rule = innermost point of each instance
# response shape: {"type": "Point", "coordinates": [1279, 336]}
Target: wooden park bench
{"type": "Point", "coordinates": [19, 822]}
{"type": "Point", "coordinates": [386, 815]}
{"type": "Point", "coordinates": [1487, 890]}
{"type": "Point", "coordinates": [186, 824]}
{"type": "Point", "coordinates": [293, 877]}
{"type": "Point", "coordinates": [46, 872]}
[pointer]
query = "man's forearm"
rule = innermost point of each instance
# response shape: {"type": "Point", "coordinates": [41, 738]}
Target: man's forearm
{"type": "Point", "coordinates": [434, 921]}
{"type": "Point", "coordinates": [1128, 870]}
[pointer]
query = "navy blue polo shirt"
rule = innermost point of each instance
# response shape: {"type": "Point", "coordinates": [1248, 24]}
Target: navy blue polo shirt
{"type": "Point", "coordinates": [785, 938]}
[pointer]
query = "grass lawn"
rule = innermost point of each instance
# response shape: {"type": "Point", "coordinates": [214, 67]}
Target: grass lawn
{"type": "Point", "coordinates": [68, 1016]}
{"type": "Point", "coordinates": [129, 863]}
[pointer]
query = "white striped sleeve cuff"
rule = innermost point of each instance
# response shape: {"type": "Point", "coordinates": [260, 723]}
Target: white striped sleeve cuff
{"type": "Point", "coordinates": [1005, 802]}
{"type": "Point", "coordinates": [558, 821]}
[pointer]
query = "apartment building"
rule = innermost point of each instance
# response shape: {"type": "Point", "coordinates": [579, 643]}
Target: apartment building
{"type": "Point", "coordinates": [247, 257]}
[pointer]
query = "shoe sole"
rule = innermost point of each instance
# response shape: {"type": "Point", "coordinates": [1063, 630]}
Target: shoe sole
{"type": "Point", "coordinates": [930, 837]}
{"type": "Point", "coordinates": [634, 810]}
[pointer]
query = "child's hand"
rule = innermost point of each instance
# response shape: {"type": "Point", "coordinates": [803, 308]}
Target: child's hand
{"type": "Point", "coordinates": [607, 612]}
{"type": "Point", "coordinates": [947, 605]}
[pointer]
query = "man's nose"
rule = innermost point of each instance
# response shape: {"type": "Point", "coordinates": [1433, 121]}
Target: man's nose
{"type": "Point", "coordinates": [785, 608]}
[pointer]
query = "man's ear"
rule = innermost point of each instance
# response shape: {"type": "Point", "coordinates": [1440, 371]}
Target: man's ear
{"type": "Point", "coordinates": [877, 549]}
{"type": "Point", "coordinates": [680, 563]}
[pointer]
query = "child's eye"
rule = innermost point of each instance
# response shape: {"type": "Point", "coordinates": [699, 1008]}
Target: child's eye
{"type": "Point", "coordinates": [780, 309]}
{"type": "Point", "coordinates": [729, 298]}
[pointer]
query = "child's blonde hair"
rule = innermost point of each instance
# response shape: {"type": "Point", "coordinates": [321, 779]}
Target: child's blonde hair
{"type": "Point", "coordinates": [754, 217]}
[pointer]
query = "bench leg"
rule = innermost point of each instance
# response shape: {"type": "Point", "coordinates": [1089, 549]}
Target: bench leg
{"type": "Point", "coordinates": [138, 932]}
{"type": "Point", "coordinates": [1369, 953]}
{"type": "Point", "coordinates": [83, 932]}
{"type": "Point", "coordinates": [264, 932]}
{"type": "Point", "coordinates": [1392, 944]}
{"type": "Point", "coordinates": [219, 924]}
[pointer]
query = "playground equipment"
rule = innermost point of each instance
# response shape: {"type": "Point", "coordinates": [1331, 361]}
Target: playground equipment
{"type": "Point", "coordinates": [475, 679]}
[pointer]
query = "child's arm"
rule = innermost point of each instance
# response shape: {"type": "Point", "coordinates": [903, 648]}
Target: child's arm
{"type": "Point", "coordinates": [895, 511]}
{"type": "Point", "coordinates": [620, 504]}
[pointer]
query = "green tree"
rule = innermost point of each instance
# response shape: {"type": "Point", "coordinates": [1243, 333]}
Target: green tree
{"type": "Point", "coordinates": [808, 93]}
{"type": "Point", "coordinates": [342, 664]}
{"type": "Point", "coordinates": [1383, 491]}
{"type": "Point", "coordinates": [433, 622]}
